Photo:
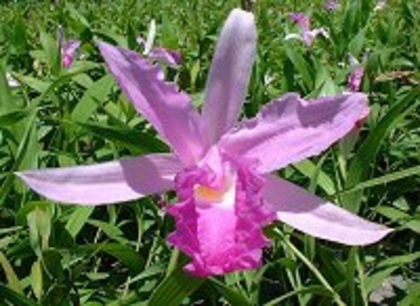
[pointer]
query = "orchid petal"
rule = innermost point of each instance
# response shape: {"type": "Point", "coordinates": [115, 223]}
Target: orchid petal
{"type": "Point", "coordinates": [148, 45]}
{"type": "Point", "coordinates": [291, 129]}
{"type": "Point", "coordinates": [331, 5]}
{"type": "Point", "coordinates": [68, 52]}
{"type": "Point", "coordinates": [293, 36]}
{"type": "Point", "coordinates": [167, 109]}
{"type": "Point", "coordinates": [301, 20]}
{"type": "Point", "coordinates": [229, 74]}
{"type": "Point", "coordinates": [317, 217]}
{"type": "Point", "coordinates": [69, 47]}
{"type": "Point", "coordinates": [355, 78]}
{"type": "Point", "coordinates": [166, 56]}
{"type": "Point", "coordinates": [105, 183]}
{"type": "Point", "coordinates": [309, 36]}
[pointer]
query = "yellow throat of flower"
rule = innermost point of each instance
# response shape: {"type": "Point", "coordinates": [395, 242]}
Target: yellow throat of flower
{"type": "Point", "coordinates": [225, 195]}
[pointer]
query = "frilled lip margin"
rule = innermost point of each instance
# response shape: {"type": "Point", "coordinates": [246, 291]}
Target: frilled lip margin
{"type": "Point", "coordinates": [220, 239]}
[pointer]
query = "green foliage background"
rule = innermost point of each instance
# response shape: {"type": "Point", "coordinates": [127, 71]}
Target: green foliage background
{"type": "Point", "coordinates": [54, 254]}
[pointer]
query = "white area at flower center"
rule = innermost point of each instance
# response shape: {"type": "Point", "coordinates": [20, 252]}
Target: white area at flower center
{"type": "Point", "coordinates": [224, 196]}
{"type": "Point", "coordinates": [222, 190]}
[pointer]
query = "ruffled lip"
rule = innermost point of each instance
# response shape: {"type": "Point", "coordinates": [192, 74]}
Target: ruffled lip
{"type": "Point", "coordinates": [219, 237]}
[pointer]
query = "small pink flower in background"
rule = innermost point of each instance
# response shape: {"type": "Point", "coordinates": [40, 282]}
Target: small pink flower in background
{"type": "Point", "coordinates": [307, 35]}
{"type": "Point", "coordinates": [166, 56]}
{"type": "Point", "coordinates": [219, 168]}
{"type": "Point", "coordinates": [331, 5]}
{"type": "Point", "coordinates": [355, 78]}
{"type": "Point", "coordinates": [69, 52]}
{"type": "Point", "coordinates": [301, 19]}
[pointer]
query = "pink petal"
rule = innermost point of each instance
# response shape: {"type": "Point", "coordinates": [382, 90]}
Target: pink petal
{"type": "Point", "coordinates": [331, 5]}
{"type": "Point", "coordinates": [314, 216]}
{"type": "Point", "coordinates": [68, 52]}
{"type": "Point", "coordinates": [105, 183]}
{"type": "Point", "coordinates": [168, 109]}
{"type": "Point", "coordinates": [166, 56]}
{"type": "Point", "coordinates": [229, 74]}
{"type": "Point", "coordinates": [355, 78]}
{"type": "Point", "coordinates": [302, 20]}
{"type": "Point", "coordinates": [309, 36]}
{"type": "Point", "coordinates": [291, 129]}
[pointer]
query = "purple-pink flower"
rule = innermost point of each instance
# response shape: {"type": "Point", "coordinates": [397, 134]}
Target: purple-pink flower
{"type": "Point", "coordinates": [357, 73]}
{"type": "Point", "coordinates": [219, 168]}
{"type": "Point", "coordinates": [165, 56]}
{"type": "Point", "coordinates": [307, 35]}
{"type": "Point", "coordinates": [355, 78]}
{"type": "Point", "coordinates": [331, 5]}
{"type": "Point", "coordinates": [68, 52]}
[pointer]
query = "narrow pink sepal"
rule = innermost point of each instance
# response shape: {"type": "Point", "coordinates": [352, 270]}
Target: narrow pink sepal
{"type": "Point", "coordinates": [220, 239]}
{"type": "Point", "coordinates": [309, 36]}
{"type": "Point", "coordinates": [302, 20]}
{"type": "Point", "coordinates": [68, 52]}
{"type": "Point", "coordinates": [331, 5]}
{"type": "Point", "coordinates": [165, 56]}
{"type": "Point", "coordinates": [106, 183]}
{"type": "Point", "coordinates": [314, 216]}
{"type": "Point", "coordinates": [167, 109]}
{"type": "Point", "coordinates": [291, 129]}
{"type": "Point", "coordinates": [229, 74]}
{"type": "Point", "coordinates": [354, 81]}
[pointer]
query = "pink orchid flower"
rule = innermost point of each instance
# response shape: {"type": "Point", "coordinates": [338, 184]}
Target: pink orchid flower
{"type": "Point", "coordinates": [331, 5]}
{"type": "Point", "coordinates": [355, 78]}
{"type": "Point", "coordinates": [68, 52]}
{"type": "Point", "coordinates": [307, 35]}
{"type": "Point", "coordinates": [166, 56]}
{"type": "Point", "coordinates": [354, 81]}
{"type": "Point", "coordinates": [220, 169]}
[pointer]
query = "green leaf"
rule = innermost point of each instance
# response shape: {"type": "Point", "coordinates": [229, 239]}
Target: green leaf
{"type": "Point", "coordinates": [6, 101]}
{"type": "Point", "coordinates": [78, 219]}
{"type": "Point", "coordinates": [110, 230]}
{"type": "Point", "coordinates": [23, 152]}
{"type": "Point", "coordinates": [136, 141]}
{"type": "Point", "coordinates": [15, 298]}
{"type": "Point", "coordinates": [52, 263]}
{"type": "Point", "coordinates": [50, 46]}
{"type": "Point", "coordinates": [314, 289]}
{"type": "Point", "coordinates": [395, 176]}
{"type": "Point", "coordinates": [92, 98]}
{"type": "Point", "coordinates": [39, 222]}
{"type": "Point", "coordinates": [34, 83]}
{"type": "Point", "coordinates": [374, 280]}
{"type": "Point", "coordinates": [175, 288]}
{"type": "Point", "coordinates": [126, 255]}
{"type": "Point", "coordinates": [413, 296]}
{"type": "Point", "coordinates": [37, 279]}
{"type": "Point", "coordinates": [232, 296]}
{"type": "Point", "coordinates": [398, 260]}
{"type": "Point", "coordinates": [360, 166]}
{"type": "Point", "coordinates": [13, 117]}
{"type": "Point", "coordinates": [12, 279]}
{"type": "Point", "coordinates": [18, 38]}
{"type": "Point", "coordinates": [300, 64]}
{"type": "Point", "coordinates": [309, 169]}
{"type": "Point", "coordinates": [357, 43]}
